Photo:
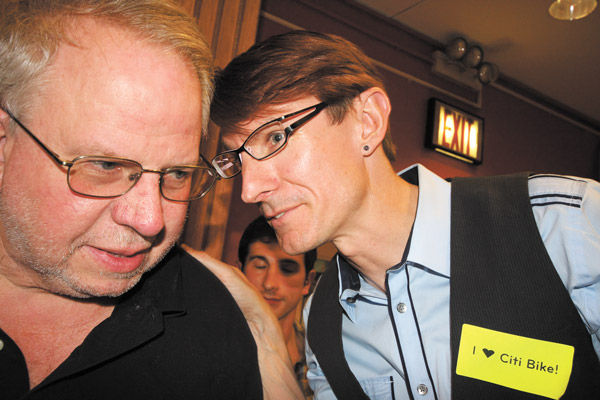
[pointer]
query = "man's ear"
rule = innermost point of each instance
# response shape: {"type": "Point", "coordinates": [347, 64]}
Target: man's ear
{"type": "Point", "coordinates": [4, 127]}
{"type": "Point", "coordinates": [310, 278]}
{"type": "Point", "coordinates": [239, 265]}
{"type": "Point", "coordinates": [375, 108]}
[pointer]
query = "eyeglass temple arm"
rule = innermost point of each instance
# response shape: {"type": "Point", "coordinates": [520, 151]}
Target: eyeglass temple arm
{"type": "Point", "coordinates": [304, 119]}
{"type": "Point", "coordinates": [42, 145]}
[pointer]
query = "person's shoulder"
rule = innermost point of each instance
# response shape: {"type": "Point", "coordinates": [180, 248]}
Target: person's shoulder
{"type": "Point", "coordinates": [188, 263]}
{"type": "Point", "coordinates": [546, 190]}
{"type": "Point", "coordinates": [197, 280]}
{"type": "Point", "coordinates": [205, 334]}
{"type": "Point", "coordinates": [207, 300]}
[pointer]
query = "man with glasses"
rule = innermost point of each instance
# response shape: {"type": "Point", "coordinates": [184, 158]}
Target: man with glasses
{"type": "Point", "coordinates": [304, 120]}
{"type": "Point", "coordinates": [102, 108]}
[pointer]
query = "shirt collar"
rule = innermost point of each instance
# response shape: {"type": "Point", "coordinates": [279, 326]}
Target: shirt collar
{"type": "Point", "coordinates": [430, 243]}
{"type": "Point", "coordinates": [139, 312]}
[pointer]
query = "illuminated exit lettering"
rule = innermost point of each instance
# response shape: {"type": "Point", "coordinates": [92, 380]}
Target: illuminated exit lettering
{"type": "Point", "coordinates": [455, 133]}
{"type": "Point", "coordinates": [458, 133]}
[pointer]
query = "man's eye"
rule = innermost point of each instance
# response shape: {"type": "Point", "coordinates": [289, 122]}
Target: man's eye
{"type": "Point", "coordinates": [101, 166]}
{"type": "Point", "coordinates": [289, 269]}
{"type": "Point", "coordinates": [276, 138]}
{"type": "Point", "coordinates": [105, 169]}
{"type": "Point", "coordinates": [105, 165]}
{"type": "Point", "coordinates": [178, 174]}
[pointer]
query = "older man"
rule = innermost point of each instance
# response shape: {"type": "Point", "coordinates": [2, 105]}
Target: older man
{"type": "Point", "coordinates": [102, 108]}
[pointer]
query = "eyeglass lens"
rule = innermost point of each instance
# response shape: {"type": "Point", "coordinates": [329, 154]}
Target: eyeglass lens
{"type": "Point", "coordinates": [262, 143]}
{"type": "Point", "coordinates": [228, 164]}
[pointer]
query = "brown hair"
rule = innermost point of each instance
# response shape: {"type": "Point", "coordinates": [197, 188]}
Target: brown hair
{"type": "Point", "coordinates": [284, 68]}
{"type": "Point", "coordinates": [32, 30]}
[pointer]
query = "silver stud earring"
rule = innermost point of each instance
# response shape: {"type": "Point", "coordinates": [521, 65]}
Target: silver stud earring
{"type": "Point", "coordinates": [366, 147]}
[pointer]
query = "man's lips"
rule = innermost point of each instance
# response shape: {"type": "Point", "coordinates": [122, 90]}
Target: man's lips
{"type": "Point", "coordinates": [275, 215]}
{"type": "Point", "coordinates": [123, 252]}
{"type": "Point", "coordinates": [272, 300]}
{"type": "Point", "coordinates": [119, 260]}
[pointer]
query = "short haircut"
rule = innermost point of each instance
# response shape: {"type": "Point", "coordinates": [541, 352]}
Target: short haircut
{"type": "Point", "coordinates": [260, 230]}
{"type": "Point", "coordinates": [287, 67]}
{"type": "Point", "coordinates": [31, 32]}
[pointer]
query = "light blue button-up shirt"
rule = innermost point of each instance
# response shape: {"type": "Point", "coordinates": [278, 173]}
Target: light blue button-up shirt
{"type": "Point", "coordinates": [411, 321]}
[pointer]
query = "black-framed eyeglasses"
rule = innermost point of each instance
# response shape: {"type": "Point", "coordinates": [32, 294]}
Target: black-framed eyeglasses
{"type": "Point", "coordinates": [265, 141]}
{"type": "Point", "coordinates": [107, 177]}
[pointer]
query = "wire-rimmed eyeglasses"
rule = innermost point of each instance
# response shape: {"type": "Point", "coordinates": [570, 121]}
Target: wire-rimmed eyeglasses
{"type": "Point", "coordinates": [107, 177]}
{"type": "Point", "coordinates": [265, 141]}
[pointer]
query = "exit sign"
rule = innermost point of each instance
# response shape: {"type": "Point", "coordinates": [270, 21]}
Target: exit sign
{"type": "Point", "coordinates": [454, 132]}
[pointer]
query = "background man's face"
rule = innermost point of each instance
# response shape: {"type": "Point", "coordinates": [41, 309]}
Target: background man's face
{"type": "Point", "coordinates": [113, 96]}
{"type": "Point", "coordinates": [280, 278]}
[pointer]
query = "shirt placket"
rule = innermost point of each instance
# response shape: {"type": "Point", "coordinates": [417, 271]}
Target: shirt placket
{"type": "Point", "coordinates": [408, 338]}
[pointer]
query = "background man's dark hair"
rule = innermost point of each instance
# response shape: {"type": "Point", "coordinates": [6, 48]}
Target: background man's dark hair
{"type": "Point", "coordinates": [260, 230]}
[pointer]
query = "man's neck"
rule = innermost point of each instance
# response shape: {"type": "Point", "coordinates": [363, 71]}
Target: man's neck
{"type": "Point", "coordinates": [379, 233]}
{"type": "Point", "coordinates": [45, 326]}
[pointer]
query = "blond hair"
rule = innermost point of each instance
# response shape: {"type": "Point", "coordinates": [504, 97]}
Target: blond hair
{"type": "Point", "coordinates": [31, 32]}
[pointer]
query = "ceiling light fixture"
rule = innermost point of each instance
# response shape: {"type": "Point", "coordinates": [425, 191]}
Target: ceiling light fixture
{"type": "Point", "coordinates": [571, 9]}
{"type": "Point", "coordinates": [464, 64]}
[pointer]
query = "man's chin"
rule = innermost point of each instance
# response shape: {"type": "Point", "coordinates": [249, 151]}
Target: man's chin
{"type": "Point", "coordinates": [93, 283]}
{"type": "Point", "coordinates": [105, 287]}
{"type": "Point", "coordinates": [117, 284]}
{"type": "Point", "coordinates": [117, 289]}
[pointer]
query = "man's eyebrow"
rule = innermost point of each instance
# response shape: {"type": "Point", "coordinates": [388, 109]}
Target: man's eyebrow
{"type": "Point", "coordinates": [94, 149]}
{"type": "Point", "coordinates": [224, 147]}
{"type": "Point", "coordinates": [289, 261]}
{"type": "Point", "coordinates": [258, 256]}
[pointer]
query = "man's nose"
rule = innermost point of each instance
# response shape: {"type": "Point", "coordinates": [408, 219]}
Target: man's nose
{"type": "Point", "coordinates": [142, 207]}
{"type": "Point", "coordinates": [271, 281]}
{"type": "Point", "coordinates": [258, 179]}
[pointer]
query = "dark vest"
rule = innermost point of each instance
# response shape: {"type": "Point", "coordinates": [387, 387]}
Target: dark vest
{"type": "Point", "coordinates": [502, 279]}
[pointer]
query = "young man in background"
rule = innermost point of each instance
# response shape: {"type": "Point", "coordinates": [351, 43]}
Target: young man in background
{"type": "Point", "coordinates": [283, 280]}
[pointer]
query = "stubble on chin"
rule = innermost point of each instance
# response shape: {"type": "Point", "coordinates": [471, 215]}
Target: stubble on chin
{"type": "Point", "coordinates": [44, 263]}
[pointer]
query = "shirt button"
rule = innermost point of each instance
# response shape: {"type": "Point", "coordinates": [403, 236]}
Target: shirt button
{"type": "Point", "coordinates": [401, 307]}
{"type": "Point", "coordinates": [351, 300]}
{"type": "Point", "coordinates": [422, 389]}
{"type": "Point", "coordinates": [1, 344]}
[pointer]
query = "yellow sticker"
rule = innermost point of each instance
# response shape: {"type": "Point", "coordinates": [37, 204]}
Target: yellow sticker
{"type": "Point", "coordinates": [518, 362]}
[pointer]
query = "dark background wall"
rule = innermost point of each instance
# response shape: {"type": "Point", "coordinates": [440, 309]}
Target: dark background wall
{"type": "Point", "coordinates": [521, 131]}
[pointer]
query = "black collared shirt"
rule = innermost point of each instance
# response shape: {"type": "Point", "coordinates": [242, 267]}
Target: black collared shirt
{"type": "Point", "coordinates": [177, 335]}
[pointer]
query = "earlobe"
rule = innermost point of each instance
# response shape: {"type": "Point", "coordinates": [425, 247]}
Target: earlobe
{"type": "Point", "coordinates": [309, 281]}
{"type": "Point", "coordinates": [376, 109]}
